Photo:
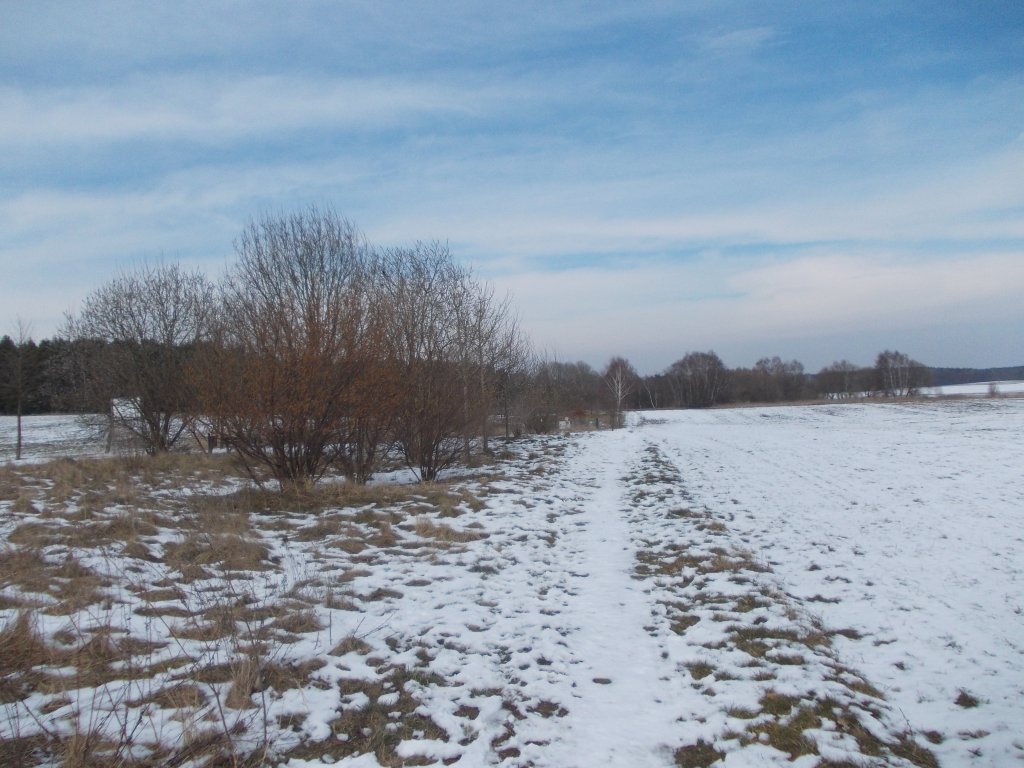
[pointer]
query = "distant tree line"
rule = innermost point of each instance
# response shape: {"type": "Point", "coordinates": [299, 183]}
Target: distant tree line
{"type": "Point", "coordinates": [418, 317]}
{"type": "Point", "coordinates": [701, 380]}
{"type": "Point", "coordinates": [942, 377]}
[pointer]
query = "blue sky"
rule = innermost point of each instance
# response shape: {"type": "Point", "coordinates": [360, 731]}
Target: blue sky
{"type": "Point", "coordinates": [811, 180]}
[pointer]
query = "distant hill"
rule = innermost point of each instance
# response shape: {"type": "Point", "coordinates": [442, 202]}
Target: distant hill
{"type": "Point", "coordinates": [945, 376]}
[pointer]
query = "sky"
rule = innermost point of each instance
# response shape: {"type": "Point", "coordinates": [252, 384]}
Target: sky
{"type": "Point", "coordinates": [818, 181]}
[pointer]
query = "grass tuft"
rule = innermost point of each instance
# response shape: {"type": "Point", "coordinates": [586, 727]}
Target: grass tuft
{"type": "Point", "coordinates": [699, 755]}
{"type": "Point", "coordinates": [966, 700]}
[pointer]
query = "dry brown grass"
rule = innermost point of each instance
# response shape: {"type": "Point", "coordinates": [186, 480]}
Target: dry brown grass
{"type": "Point", "coordinates": [36, 535]}
{"type": "Point", "coordinates": [287, 676]}
{"type": "Point", "coordinates": [245, 678]}
{"type": "Point", "coordinates": [183, 695]}
{"type": "Point", "coordinates": [99, 530]}
{"type": "Point", "coordinates": [351, 644]}
{"type": "Point", "coordinates": [74, 586]}
{"type": "Point", "coordinates": [758, 640]}
{"type": "Point", "coordinates": [122, 508]}
{"type": "Point", "coordinates": [790, 718]}
{"type": "Point", "coordinates": [447, 499]}
{"type": "Point", "coordinates": [316, 499]}
{"type": "Point", "coordinates": [95, 484]}
{"type": "Point", "coordinates": [71, 584]}
{"type": "Point", "coordinates": [966, 700]}
{"type": "Point", "coordinates": [230, 552]}
{"type": "Point", "coordinates": [23, 649]}
{"type": "Point", "coordinates": [699, 670]}
{"type": "Point", "coordinates": [298, 622]}
{"type": "Point", "coordinates": [324, 528]}
{"type": "Point", "coordinates": [24, 504]}
{"type": "Point", "coordinates": [384, 537]}
{"type": "Point", "coordinates": [443, 533]}
{"type": "Point", "coordinates": [11, 482]}
{"type": "Point", "coordinates": [378, 727]}
{"type": "Point", "coordinates": [206, 631]}
{"type": "Point", "coordinates": [212, 521]}
{"type": "Point", "coordinates": [24, 568]}
{"type": "Point", "coordinates": [699, 755]}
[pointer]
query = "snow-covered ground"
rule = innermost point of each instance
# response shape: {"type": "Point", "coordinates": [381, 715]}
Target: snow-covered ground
{"type": "Point", "coordinates": [904, 522]}
{"type": "Point", "coordinates": [976, 390]}
{"type": "Point", "coordinates": [49, 436]}
{"type": "Point", "coordinates": [757, 587]}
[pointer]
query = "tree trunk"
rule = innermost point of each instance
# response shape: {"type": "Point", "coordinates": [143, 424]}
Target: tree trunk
{"type": "Point", "coordinates": [17, 451]}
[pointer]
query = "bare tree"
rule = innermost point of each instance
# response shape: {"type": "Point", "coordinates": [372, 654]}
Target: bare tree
{"type": "Point", "coordinates": [621, 379]}
{"type": "Point", "coordinates": [512, 375]}
{"type": "Point", "coordinates": [284, 380]}
{"type": "Point", "coordinates": [492, 347]}
{"type": "Point", "coordinates": [558, 389]}
{"type": "Point", "coordinates": [425, 292]}
{"type": "Point", "coordinates": [135, 338]}
{"type": "Point", "coordinates": [16, 374]}
{"type": "Point", "coordinates": [777, 379]}
{"type": "Point", "coordinates": [898, 375]}
{"type": "Point", "coordinates": [375, 392]}
{"type": "Point", "coordinates": [842, 379]}
{"type": "Point", "coordinates": [698, 379]}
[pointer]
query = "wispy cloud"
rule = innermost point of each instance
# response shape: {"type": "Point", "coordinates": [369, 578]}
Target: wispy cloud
{"type": "Point", "coordinates": [662, 310]}
{"type": "Point", "coordinates": [194, 107]}
{"type": "Point", "coordinates": [647, 177]}
{"type": "Point", "coordinates": [738, 41]}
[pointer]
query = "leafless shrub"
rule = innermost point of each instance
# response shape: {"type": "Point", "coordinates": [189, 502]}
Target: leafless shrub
{"type": "Point", "coordinates": [290, 344]}
{"type": "Point", "coordinates": [430, 303]}
{"type": "Point", "coordinates": [134, 340]}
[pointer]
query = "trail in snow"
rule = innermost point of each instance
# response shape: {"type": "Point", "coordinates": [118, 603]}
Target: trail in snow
{"type": "Point", "coordinates": [616, 712]}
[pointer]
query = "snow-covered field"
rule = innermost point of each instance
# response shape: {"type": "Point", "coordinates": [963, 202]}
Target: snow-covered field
{"type": "Point", "coordinates": [803, 586]}
{"type": "Point", "coordinates": [47, 437]}
{"type": "Point", "coordinates": [976, 390]}
{"type": "Point", "coordinates": [905, 522]}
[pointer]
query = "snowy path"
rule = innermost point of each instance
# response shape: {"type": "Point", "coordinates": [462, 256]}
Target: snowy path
{"type": "Point", "coordinates": [615, 715]}
{"type": "Point", "coordinates": [602, 622]}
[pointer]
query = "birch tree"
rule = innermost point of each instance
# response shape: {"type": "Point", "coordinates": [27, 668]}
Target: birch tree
{"type": "Point", "coordinates": [16, 374]}
{"type": "Point", "coordinates": [899, 375]}
{"type": "Point", "coordinates": [621, 379]}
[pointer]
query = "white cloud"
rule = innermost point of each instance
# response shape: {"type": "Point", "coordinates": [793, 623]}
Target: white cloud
{"type": "Point", "coordinates": [880, 205]}
{"type": "Point", "coordinates": [738, 41]}
{"type": "Point", "coordinates": [656, 312]}
{"type": "Point", "coordinates": [207, 109]}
